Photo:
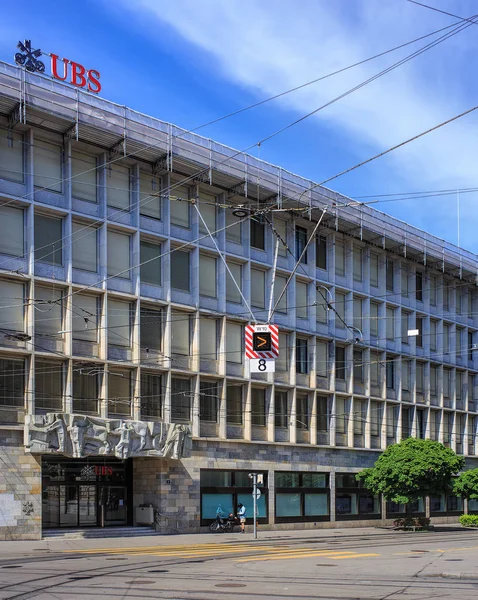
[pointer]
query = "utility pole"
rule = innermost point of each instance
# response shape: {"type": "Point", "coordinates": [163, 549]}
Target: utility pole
{"type": "Point", "coordinates": [256, 494]}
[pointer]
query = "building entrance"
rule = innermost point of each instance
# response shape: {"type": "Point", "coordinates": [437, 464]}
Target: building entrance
{"type": "Point", "coordinates": [86, 493]}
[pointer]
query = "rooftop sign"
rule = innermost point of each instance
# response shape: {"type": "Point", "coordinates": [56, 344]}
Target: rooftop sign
{"type": "Point", "coordinates": [62, 69]}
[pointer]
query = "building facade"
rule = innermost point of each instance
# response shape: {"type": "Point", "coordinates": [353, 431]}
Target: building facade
{"type": "Point", "coordinates": [121, 244]}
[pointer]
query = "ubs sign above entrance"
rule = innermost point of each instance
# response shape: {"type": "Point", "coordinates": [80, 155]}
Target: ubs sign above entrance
{"type": "Point", "coordinates": [63, 69]}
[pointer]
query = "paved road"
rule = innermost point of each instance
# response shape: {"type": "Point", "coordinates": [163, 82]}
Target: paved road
{"type": "Point", "coordinates": [335, 565]}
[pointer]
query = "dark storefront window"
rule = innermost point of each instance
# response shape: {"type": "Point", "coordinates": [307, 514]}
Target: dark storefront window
{"type": "Point", "coordinates": [445, 505]}
{"type": "Point", "coordinates": [301, 497]}
{"type": "Point", "coordinates": [228, 489]}
{"type": "Point", "coordinates": [353, 501]}
{"type": "Point", "coordinates": [395, 510]}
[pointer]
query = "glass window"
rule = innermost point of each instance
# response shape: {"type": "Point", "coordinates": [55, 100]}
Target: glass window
{"type": "Point", "coordinates": [390, 316]}
{"type": "Point", "coordinates": [433, 380]}
{"type": "Point", "coordinates": [420, 377]}
{"type": "Point", "coordinates": [150, 259]}
{"type": "Point", "coordinates": [85, 391]}
{"type": "Point", "coordinates": [180, 399]}
{"type": "Point", "coordinates": [84, 318]}
{"type": "Point", "coordinates": [12, 230]}
{"type": "Point", "coordinates": [373, 319]}
{"type": "Point", "coordinates": [406, 364]}
{"type": "Point", "coordinates": [288, 505]}
{"type": "Point", "coordinates": [208, 338]}
{"type": "Point", "coordinates": [281, 229]}
{"type": "Point", "coordinates": [446, 339]}
{"type": "Point", "coordinates": [180, 270]}
{"type": "Point", "coordinates": [376, 417]}
{"type": "Point", "coordinates": [258, 407]}
{"type": "Point", "coordinates": [118, 186]}
{"type": "Point", "coordinates": [119, 323]}
{"type": "Point", "coordinates": [207, 276]}
{"type": "Point", "coordinates": [234, 404]}
{"type": "Point", "coordinates": [358, 366]}
{"type": "Point", "coordinates": [374, 269]}
{"type": "Point", "coordinates": [322, 355]}
{"type": "Point", "coordinates": [340, 362]}
{"type": "Point", "coordinates": [279, 286]}
{"type": "Point", "coordinates": [357, 308]}
{"type": "Point", "coordinates": [447, 289]}
{"type": "Point", "coordinates": [375, 369]}
{"type": "Point", "coordinates": [179, 206]}
{"type": "Point", "coordinates": [404, 280]}
{"type": "Point", "coordinates": [234, 342]}
{"type": "Point", "coordinates": [151, 396]}
{"type": "Point", "coordinates": [357, 264]}
{"type": "Point", "coordinates": [341, 415]}
{"type": "Point", "coordinates": [282, 362]}
{"type": "Point", "coordinates": [12, 377]}
{"type": "Point", "coordinates": [208, 401]}
{"type": "Point", "coordinates": [48, 240]}
{"type": "Point", "coordinates": [390, 374]}
{"type": "Point", "coordinates": [359, 416]}
{"type": "Point", "coordinates": [322, 418]}
{"type": "Point", "coordinates": [12, 310]}
{"type": "Point", "coordinates": [119, 255]}
{"type": "Point", "coordinates": [207, 208]}
{"type": "Point", "coordinates": [232, 293]}
{"type": "Point", "coordinates": [11, 155]}
{"type": "Point", "coordinates": [234, 228]}
{"type": "Point", "coordinates": [47, 160]}
{"type": "Point", "coordinates": [151, 329]}
{"type": "Point", "coordinates": [149, 195]}
{"type": "Point", "coordinates": [339, 259]}
{"type": "Point", "coordinates": [392, 421]}
{"type": "Point", "coordinates": [322, 311]}
{"type": "Point", "coordinates": [180, 333]}
{"type": "Point", "coordinates": [302, 358]}
{"type": "Point", "coordinates": [84, 244]}
{"type": "Point", "coordinates": [302, 410]}
{"type": "Point", "coordinates": [300, 243]}
{"type": "Point", "coordinates": [404, 326]}
{"type": "Point", "coordinates": [257, 234]}
{"type": "Point", "coordinates": [340, 309]}
{"type": "Point", "coordinates": [301, 299]}
{"type": "Point", "coordinates": [258, 288]}
{"type": "Point", "coordinates": [419, 337]}
{"type": "Point", "coordinates": [389, 275]}
{"type": "Point", "coordinates": [48, 312]}
{"type": "Point", "coordinates": [281, 409]}
{"type": "Point", "coordinates": [321, 252]}
{"type": "Point", "coordinates": [433, 289]}
{"type": "Point", "coordinates": [419, 286]}
{"type": "Point", "coordinates": [48, 385]}
{"type": "Point", "coordinates": [119, 392]}
{"type": "Point", "coordinates": [84, 175]}
{"type": "Point", "coordinates": [433, 335]}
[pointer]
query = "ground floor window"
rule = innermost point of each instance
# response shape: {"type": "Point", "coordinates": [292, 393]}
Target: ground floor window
{"type": "Point", "coordinates": [353, 500]}
{"type": "Point", "coordinates": [301, 497]}
{"type": "Point", "coordinates": [445, 505]}
{"type": "Point", "coordinates": [473, 506]}
{"type": "Point", "coordinates": [226, 489]}
{"type": "Point", "coordinates": [395, 510]}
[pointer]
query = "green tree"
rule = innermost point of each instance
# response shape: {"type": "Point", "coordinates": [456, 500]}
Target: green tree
{"type": "Point", "coordinates": [466, 484]}
{"type": "Point", "coordinates": [412, 469]}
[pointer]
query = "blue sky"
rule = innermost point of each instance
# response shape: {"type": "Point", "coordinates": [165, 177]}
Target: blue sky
{"type": "Point", "coordinates": [188, 62]}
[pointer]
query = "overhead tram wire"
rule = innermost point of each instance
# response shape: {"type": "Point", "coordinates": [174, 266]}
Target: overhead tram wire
{"type": "Point", "coordinates": [457, 29]}
{"type": "Point", "coordinates": [439, 10]}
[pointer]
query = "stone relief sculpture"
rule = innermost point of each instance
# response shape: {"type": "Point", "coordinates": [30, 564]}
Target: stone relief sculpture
{"type": "Point", "coordinates": [78, 436]}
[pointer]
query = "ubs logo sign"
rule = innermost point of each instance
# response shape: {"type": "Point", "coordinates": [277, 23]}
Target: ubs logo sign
{"type": "Point", "coordinates": [61, 68]}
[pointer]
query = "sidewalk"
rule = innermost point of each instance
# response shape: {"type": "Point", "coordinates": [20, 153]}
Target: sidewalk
{"type": "Point", "coordinates": [15, 549]}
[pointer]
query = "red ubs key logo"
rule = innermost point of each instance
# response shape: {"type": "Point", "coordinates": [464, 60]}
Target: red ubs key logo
{"type": "Point", "coordinates": [61, 68]}
{"type": "Point", "coordinates": [102, 470]}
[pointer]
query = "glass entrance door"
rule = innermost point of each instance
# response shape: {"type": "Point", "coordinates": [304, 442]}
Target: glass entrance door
{"type": "Point", "coordinates": [87, 507]}
{"type": "Point", "coordinates": [112, 505]}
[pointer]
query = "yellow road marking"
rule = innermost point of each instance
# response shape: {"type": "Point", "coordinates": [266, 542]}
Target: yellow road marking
{"type": "Point", "coordinates": [334, 556]}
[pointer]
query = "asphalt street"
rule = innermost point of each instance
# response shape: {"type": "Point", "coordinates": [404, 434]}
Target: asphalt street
{"type": "Point", "coordinates": [344, 564]}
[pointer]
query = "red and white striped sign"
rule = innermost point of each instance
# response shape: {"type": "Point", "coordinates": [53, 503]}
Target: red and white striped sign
{"type": "Point", "coordinates": [273, 330]}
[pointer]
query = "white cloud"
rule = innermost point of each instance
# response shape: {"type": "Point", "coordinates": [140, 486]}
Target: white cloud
{"type": "Point", "coordinates": [272, 45]}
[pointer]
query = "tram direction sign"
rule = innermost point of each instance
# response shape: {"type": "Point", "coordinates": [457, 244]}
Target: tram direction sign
{"type": "Point", "coordinates": [262, 341]}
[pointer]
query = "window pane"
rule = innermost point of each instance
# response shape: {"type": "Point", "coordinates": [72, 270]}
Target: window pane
{"type": "Point", "coordinates": [373, 319]}
{"type": "Point", "coordinates": [390, 315]}
{"type": "Point", "coordinates": [119, 323]}
{"type": "Point", "coordinates": [207, 208]}
{"type": "Point", "coordinates": [12, 306]}
{"type": "Point", "coordinates": [234, 228]}
{"type": "Point", "coordinates": [301, 356]}
{"type": "Point", "coordinates": [119, 392]}
{"type": "Point", "coordinates": [374, 269]}
{"type": "Point", "coordinates": [258, 288]}
{"type": "Point", "coordinates": [302, 411]}
{"type": "Point", "coordinates": [281, 409]}
{"type": "Point", "coordinates": [258, 407]}
{"type": "Point", "coordinates": [288, 505]}
{"type": "Point", "coordinates": [339, 259]}
{"type": "Point", "coordinates": [180, 270]}
{"type": "Point", "coordinates": [316, 504]}
{"type": "Point", "coordinates": [84, 243]}
{"type": "Point", "coordinates": [322, 312]}
{"type": "Point", "coordinates": [322, 358]}
{"type": "Point", "coordinates": [300, 243]}
{"type": "Point", "coordinates": [257, 234]}
{"type": "Point", "coordinates": [11, 155]}
{"type": "Point", "coordinates": [234, 342]}
{"type": "Point", "coordinates": [83, 176]}
{"type": "Point", "coordinates": [48, 240]}
{"type": "Point", "coordinates": [340, 308]}
{"type": "Point", "coordinates": [11, 231]}
{"type": "Point", "coordinates": [151, 330]}
{"type": "Point", "coordinates": [287, 480]}
{"type": "Point", "coordinates": [149, 195]}
{"type": "Point", "coordinates": [322, 426]}
{"type": "Point", "coordinates": [357, 308]}
{"type": "Point", "coordinates": [12, 378]}
{"type": "Point", "coordinates": [208, 338]}
{"type": "Point", "coordinates": [47, 159]}
{"type": "Point", "coordinates": [48, 311]}
{"type": "Point", "coordinates": [321, 252]}
{"type": "Point", "coordinates": [301, 300]}
{"type": "Point", "coordinates": [232, 293]}
{"type": "Point", "coordinates": [151, 396]}
{"type": "Point", "coordinates": [281, 227]}
{"type": "Point", "coordinates": [340, 362]}
{"type": "Point", "coordinates": [357, 264]}
{"type": "Point", "coordinates": [118, 190]}
{"type": "Point", "coordinates": [282, 362]}
{"type": "Point", "coordinates": [180, 333]}
{"type": "Point", "coordinates": [207, 276]}
{"type": "Point", "coordinates": [119, 255]}
{"type": "Point", "coordinates": [279, 285]}
{"type": "Point", "coordinates": [389, 275]}
{"type": "Point", "coordinates": [208, 401]}
{"type": "Point", "coordinates": [234, 404]}
{"type": "Point", "coordinates": [48, 385]}
{"type": "Point", "coordinates": [84, 318]}
{"type": "Point", "coordinates": [179, 206]}
{"type": "Point", "coordinates": [85, 391]}
{"type": "Point", "coordinates": [150, 259]}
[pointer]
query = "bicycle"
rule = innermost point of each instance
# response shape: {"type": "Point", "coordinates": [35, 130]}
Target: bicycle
{"type": "Point", "coordinates": [166, 523]}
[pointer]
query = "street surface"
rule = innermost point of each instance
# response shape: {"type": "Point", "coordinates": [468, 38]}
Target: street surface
{"type": "Point", "coordinates": [370, 564]}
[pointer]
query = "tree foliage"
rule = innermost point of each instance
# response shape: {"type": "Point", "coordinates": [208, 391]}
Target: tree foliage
{"type": "Point", "coordinates": [412, 469]}
{"type": "Point", "coordinates": [466, 484]}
